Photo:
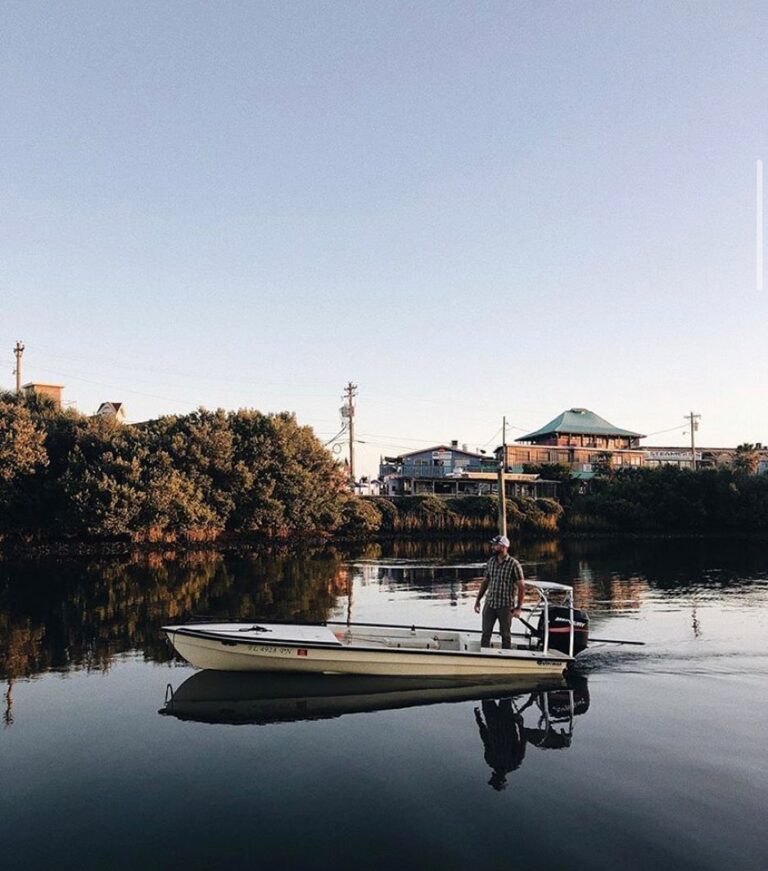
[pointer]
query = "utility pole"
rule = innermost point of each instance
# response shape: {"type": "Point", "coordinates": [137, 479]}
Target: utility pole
{"type": "Point", "coordinates": [18, 351]}
{"type": "Point", "coordinates": [348, 411]}
{"type": "Point", "coordinates": [693, 421]}
{"type": "Point", "coordinates": [502, 484]}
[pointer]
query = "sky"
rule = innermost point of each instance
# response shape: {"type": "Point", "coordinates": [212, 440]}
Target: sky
{"type": "Point", "coordinates": [469, 210]}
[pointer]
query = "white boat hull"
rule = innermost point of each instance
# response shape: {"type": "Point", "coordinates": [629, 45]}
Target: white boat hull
{"type": "Point", "coordinates": [222, 650]}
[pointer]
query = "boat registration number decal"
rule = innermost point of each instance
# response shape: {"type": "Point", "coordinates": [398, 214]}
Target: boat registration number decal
{"type": "Point", "coordinates": [278, 651]}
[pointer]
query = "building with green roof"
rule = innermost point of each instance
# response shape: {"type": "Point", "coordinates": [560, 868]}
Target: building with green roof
{"type": "Point", "coordinates": [585, 428]}
{"type": "Point", "coordinates": [576, 437]}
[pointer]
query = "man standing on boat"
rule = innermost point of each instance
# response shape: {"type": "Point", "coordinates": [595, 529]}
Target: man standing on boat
{"type": "Point", "coordinates": [505, 584]}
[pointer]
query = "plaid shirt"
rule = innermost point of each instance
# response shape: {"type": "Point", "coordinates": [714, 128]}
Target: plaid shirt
{"type": "Point", "coordinates": [502, 580]}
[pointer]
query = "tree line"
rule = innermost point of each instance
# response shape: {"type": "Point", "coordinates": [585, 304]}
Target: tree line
{"type": "Point", "coordinates": [210, 475]}
{"type": "Point", "coordinates": [408, 515]}
{"type": "Point", "coordinates": [196, 476]}
{"type": "Point", "coordinates": [204, 476]}
{"type": "Point", "coordinates": [666, 499]}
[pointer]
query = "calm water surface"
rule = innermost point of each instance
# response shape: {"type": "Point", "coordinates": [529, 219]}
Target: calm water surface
{"type": "Point", "coordinates": [650, 757]}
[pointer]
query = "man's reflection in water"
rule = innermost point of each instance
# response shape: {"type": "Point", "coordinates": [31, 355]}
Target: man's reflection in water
{"type": "Point", "coordinates": [503, 737]}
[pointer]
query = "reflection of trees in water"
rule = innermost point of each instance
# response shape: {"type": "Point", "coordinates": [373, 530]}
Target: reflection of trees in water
{"type": "Point", "coordinates": [81, 614]}
{"type": "Point", "coordinates": [449, 551]}
{"type": "Point", "coordinates": [608, 575]}
{"type": "Point", "coordinates": [616, 574]}
{"type": "Point", "coordinates": [438, 550]}
{"type": "Point", "coordinates": [446, 570]}
{"type": "Point", "coordinates": [612, 574]}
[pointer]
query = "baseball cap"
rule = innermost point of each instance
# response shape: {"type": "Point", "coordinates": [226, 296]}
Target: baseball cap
{"type": "Point", "coordinates": [500, 539]}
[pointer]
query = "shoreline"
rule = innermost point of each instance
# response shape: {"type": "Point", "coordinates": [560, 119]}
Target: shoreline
{"type": "Point", "coordinates": [249, 545]}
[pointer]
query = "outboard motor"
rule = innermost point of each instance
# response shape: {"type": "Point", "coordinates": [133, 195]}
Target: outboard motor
{"type": "Point", "coordinates": [560, 629]}
{"type": "Point", "coordinates": [571, 702]}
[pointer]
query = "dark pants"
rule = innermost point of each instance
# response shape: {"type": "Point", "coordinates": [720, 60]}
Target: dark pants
{"type": "Point", "coordinates": [504, 616]}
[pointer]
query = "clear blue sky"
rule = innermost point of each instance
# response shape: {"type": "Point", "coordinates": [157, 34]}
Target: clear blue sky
{"type": "Point", "coordinates": [469, 209]}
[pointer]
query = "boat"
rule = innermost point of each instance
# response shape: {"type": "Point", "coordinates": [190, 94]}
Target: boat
{"type": "Point", "coordinates": [391, 650]}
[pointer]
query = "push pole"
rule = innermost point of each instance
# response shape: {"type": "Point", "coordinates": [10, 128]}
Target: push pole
{"type": "Point", "coordinates": [502, 484]}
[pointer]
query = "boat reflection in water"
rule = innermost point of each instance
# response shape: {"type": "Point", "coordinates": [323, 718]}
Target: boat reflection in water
{"type": "Point", "coordinates": [506, 731]}
{"type": "Point", "coordinates": [253, 697]}
{"type": "Point", "coordinates": [510, 716]}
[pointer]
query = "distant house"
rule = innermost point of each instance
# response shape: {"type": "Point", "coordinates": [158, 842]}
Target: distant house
{"type": "Point", "coordinates": [115, 410]}
{"type": "Point", "coordinates": [575, 438]}
{"type": "Point", "coordinates": [51, 391]}
{"type": "Point", "coordinates": [447, 470]}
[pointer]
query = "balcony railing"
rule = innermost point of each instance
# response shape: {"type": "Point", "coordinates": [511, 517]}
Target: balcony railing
{"type": "Point", "coordinates": [441, 471]}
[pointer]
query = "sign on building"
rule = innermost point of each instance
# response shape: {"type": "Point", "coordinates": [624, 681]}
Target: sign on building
{"type": "Point", "coordinates": [670, 456]}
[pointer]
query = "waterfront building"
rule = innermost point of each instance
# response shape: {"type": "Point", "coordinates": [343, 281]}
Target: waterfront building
{"type": "Point", "coordinates": [575, 438]}
{"type": "Point", "coordinates": [706, 458]}
{"type": "Point", "coordinates": [447, 470]}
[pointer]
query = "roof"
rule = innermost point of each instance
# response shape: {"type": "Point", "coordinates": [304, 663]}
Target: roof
{"type": "Point", "coordinates": [687, 450]}
{"type": "Point", "coordinates": [508, 476]}
{"type": "Point", "coordinates": [580, 421]}
{"type": "Point", "coordinates": [115, 405]}
{"type": "Point", "coordinates": [440, 448]}
{"type": "Point", "coordinates": [41, 384]}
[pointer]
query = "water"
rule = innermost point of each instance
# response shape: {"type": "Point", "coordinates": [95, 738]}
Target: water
{"type": "Point", "coordinates": [651, 757]}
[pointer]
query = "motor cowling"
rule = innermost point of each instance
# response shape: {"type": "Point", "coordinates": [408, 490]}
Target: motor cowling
{"type": "Point", "coordinates": [560, 629]}
{"type": "Point", "coordinates": [570, 702]}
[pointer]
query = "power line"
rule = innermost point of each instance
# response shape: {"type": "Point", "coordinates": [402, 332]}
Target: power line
{"type": "Point", "coordinates": [379, 435]}
{"type": "Point", "coordinates": [494, 436]}
{"type": "Point", "coordinates": [112, 387]}
{"type": "Point", "coordinates": [383, 444]}
{"type": "Point", "coordinates": [198, 376]}
{"type": "Point", "coordinates": [339, 433]}
{"type": "Point", "coordinates": [662, 431]}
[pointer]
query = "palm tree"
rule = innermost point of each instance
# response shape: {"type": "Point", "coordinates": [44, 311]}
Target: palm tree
{"type": "Point", "coordinates": [602, 465]}
{"type": "Point", "coordinates": [746, 459]}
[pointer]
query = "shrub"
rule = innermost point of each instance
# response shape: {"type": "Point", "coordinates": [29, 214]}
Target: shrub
{"type": "Point", "coordinates": [359, 517]}
{"type": "Point", "coordinates": [388, 510]}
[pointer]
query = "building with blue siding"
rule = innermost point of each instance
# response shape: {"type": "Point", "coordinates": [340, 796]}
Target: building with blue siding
{"type": "Point", "coordinates": [447, 470]}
